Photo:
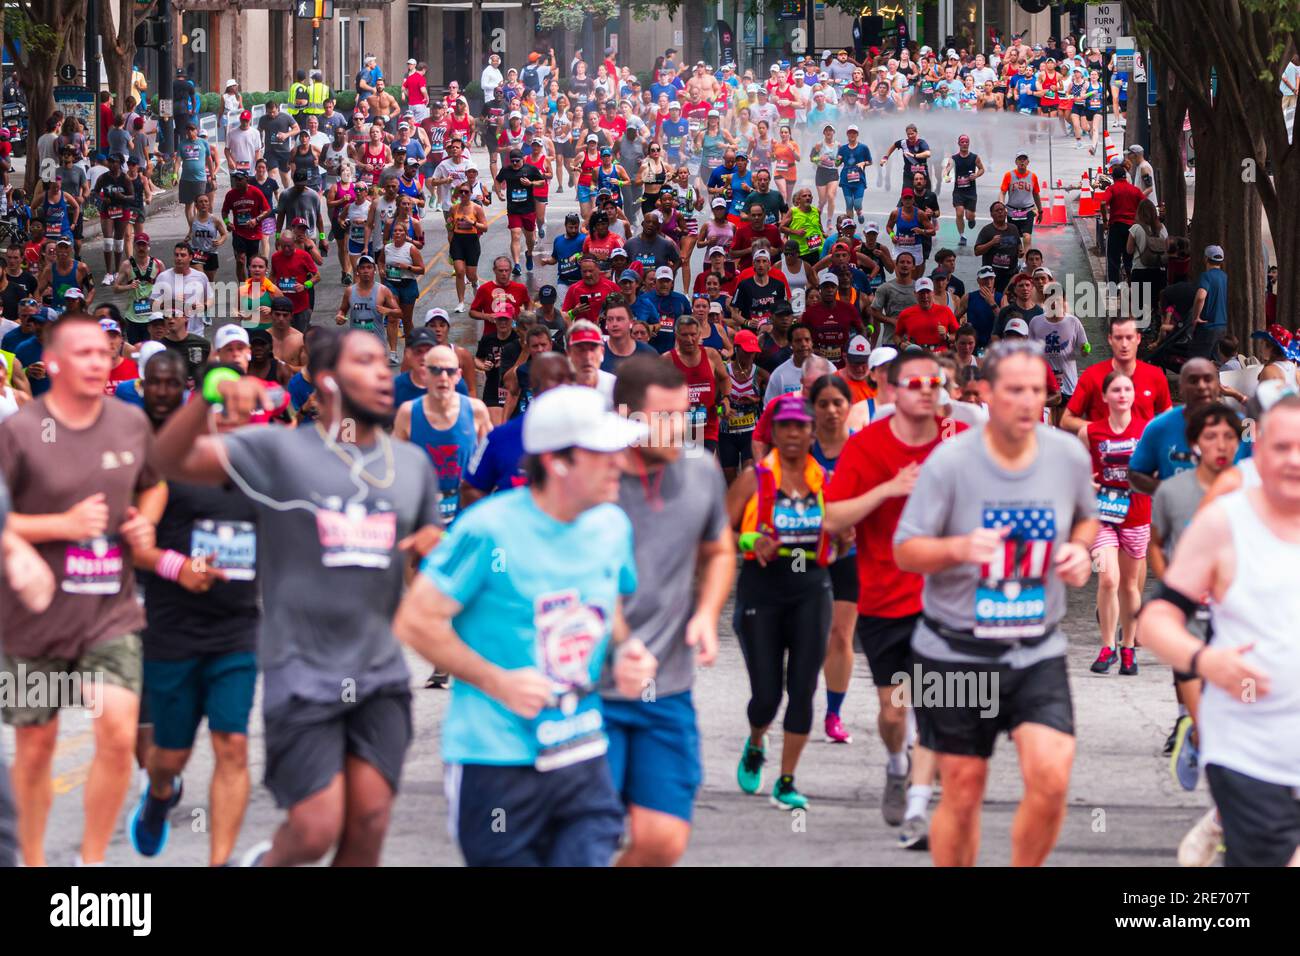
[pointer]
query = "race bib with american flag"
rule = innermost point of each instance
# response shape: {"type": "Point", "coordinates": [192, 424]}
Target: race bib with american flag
{"type": "Point", "coordinates": [1010, 599]}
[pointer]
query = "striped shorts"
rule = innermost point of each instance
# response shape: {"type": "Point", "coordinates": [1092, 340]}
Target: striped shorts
{"type": "Point", "coordinates": [1133, 541]}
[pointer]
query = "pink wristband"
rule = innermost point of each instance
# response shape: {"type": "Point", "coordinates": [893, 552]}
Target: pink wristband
{"type": "Point", "coordinates": [169, 565]}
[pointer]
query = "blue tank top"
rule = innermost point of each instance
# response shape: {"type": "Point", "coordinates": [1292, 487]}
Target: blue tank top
{"type": "Point", "coordinates": [607, 180]}
{"type": "Point", "coordinates": [450, 451]}
{"type": "Point", "coordinates": [61, 282]}
{"type": "Point", "coordinates": [714, 339]}
{"type": "Point", "coordinates": [829, 463]}
{"type": "Point", "coordinates": [55, 215]}
{"type": "Point", "coordinates": [904, 239]}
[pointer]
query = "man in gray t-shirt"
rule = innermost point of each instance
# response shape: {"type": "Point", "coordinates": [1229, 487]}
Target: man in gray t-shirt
{"type": "Point", "coordinates": [1000, 521]}
{"type": "Point", "coordinates": [891, 298]}
{"type": "Point", "coordinates": [677, 506]}
{"type": "Point", "coordinates": [1064, 340]}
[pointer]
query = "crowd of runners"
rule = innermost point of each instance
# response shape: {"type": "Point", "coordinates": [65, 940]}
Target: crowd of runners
{"type": "Point", "coordinates": [716, 363]}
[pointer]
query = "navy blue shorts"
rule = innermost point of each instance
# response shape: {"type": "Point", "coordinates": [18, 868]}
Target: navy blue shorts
{"type": "Point", "coordinates": [519, 816]}
{"type": "Point", "coordinates": [654, 753]}
{"type": "Point", "coordinates": [181, 693]}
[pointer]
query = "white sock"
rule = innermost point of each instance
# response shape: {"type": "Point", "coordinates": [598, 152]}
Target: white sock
{"type": "Point", "coordinates": [918, 801]}
{"type": "Point", "coordinates": [897, 763]}
{"type": "Point", "coordinates": [1182, 711]}
{"type": "Point", "coordinates": [911, 727]}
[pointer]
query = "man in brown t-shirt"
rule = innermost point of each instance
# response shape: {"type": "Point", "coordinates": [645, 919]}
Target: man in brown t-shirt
{"type": "Point", "coordinates": [77, 464]}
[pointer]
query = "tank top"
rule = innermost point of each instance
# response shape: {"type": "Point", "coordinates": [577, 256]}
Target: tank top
{"type": "Point", "coordinates": [543, 166]}
{"type": "Point", "coordinates": [397, 256]}
{"type": "Point", "coordinates": [795, 277]}
{"type": "Point", "coordinates": [827, 153]}
{"type": "Point", "coordinates": [1288, 373]}
{"type": "Point", "coordinates": [55, 215]}
{"type": "Point", "coordinates": [449, 449]}
{"type": "Point", "coordinates": [8, 404]}
{"type": "Point", "coordinates": [608, 179]}
{"type": "Point", "coordinates": [811, 223]}
{"type": "Point", "coordinates": [829, 463]}
{"type": "Point", "coordinates": [761, 154]}
{"type": "Point", "coordinates": [712, 146]}
{"type": "Point", "coordinates": [963, 171]}
{"type": "Point", "coordinates": [587, 169]}
{"type": "Point", "coordinates": [142, 297]}
{"type": "Point", "coordinates": [685, 203]}
{"type": "Point", "coordinates": [61, 282]}
{"type": "Point", "coordinates": [374, 163]}
{"type": "Point", "coordinates": [357, 214]}
{"type": "Point", "coordinates": [413, 188]}
{"type": "Point", "coordinates": [458, 228]}
{"type": "Point", "coordinates": [385, 211]}
{"type": "Point", "coordinates": [307, 161]}
{"type": "Point", "coordinates": [1257, 735]}
{"type": "Point", "coordinates": [203, 237]}
{"type": "Point", "coordinates": [332, 159]}
{"type": "Point", "coordinates": [745, 402]}
{"type": "Point", "coordinates": [783, 161]}
{"type": "Point", "coordinates": [363, 310]}
{"type": "Point", "coordinates": [346, 192]}
{"type": "Point", "coordinates": [904, 230]}
{"type": "Point", "coordinates": [702, 417]}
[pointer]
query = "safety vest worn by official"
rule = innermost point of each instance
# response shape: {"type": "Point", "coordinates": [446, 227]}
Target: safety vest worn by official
{"type": "Point", "coordinates": [760, 508]}
{"type": "Point", "coordinates": [291, 106]}
{"type": "Point", "coordinates": [317, 94]}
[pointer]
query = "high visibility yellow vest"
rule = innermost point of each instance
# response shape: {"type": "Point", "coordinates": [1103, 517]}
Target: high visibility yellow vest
{"type": "Point", "coordinates": [291, 108]}
{"type": "Point", "coordinates": [317, 94]}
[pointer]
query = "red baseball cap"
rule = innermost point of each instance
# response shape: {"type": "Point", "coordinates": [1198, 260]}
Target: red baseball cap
{"type": "Point", "coordinates": [246, 115]}
{"type": "Point", "coordinates": [585, 335]}
{"type": "Point", "coordinates": [747, 341]}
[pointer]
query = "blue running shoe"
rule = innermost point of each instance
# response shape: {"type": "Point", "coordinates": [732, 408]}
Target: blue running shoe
{"type": "Point", "coordinates": [749, 773]}
{"type": "Point", "coordinates": [149, 824]}
{"type": "Point", "coordinates": [1185, 762]}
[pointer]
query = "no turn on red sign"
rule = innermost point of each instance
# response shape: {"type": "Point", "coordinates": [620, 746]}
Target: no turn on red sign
{"type": "Point", "coordinates": [1103, 25]}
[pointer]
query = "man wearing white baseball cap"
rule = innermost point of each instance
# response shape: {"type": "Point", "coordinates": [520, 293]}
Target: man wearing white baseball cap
{"type": "Point", "coordinates": [524, 732]}
{"type": "Point", "coordinates": [231, 345]}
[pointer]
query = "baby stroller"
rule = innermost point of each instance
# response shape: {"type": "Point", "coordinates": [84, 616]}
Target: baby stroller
{"type": "Point", "coordinates": [15, 214]}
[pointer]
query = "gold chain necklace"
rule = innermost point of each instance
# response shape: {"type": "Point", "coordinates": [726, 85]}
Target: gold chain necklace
{"type": "Point", "coordinates": [352, 462]}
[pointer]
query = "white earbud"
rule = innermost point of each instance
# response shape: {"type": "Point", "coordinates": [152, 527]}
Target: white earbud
{"type": "Point", "coordinates": [52, 367]}
{"type": "Point", "coordinates": [328, 385]}
{"type": "Point", "coordinates": [561, 468]}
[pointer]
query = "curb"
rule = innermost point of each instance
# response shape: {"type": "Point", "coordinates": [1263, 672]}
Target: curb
{"type": "Point", "coordinates": [1085, 227]}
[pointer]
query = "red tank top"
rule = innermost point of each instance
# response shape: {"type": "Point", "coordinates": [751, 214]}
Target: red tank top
{"type": "Point", "coordinates": [703, 414]}
{"type": "Point", "coordinates": [543, 165]}
{"type": "Point", "coordinates": [588, 169]}
{"type": "Point", "coordinates": [1111, 452]}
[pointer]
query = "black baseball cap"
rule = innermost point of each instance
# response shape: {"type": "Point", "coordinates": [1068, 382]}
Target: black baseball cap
{"type": "Point", "coordinates": [259, 335]}
{"type": "Point", "coordinates": [547, 294]}
{"type": "Point", "coordinates": [421, 336]}
{"type": "Point", "coordinates": [573, 217]}
{"type": "Point", "coordinates": [300, 175]}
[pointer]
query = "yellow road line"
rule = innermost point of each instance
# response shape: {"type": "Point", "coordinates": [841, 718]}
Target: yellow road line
{"type": "Point", "coordinates": [439, 280]}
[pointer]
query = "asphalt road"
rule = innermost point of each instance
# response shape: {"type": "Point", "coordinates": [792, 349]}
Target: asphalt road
{"type": "Point", "coordinates": [1124, 808]}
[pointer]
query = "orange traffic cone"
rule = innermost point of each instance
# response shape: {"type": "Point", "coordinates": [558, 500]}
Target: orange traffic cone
{"type": "Point", "coordinates": [1110, 152]}
{"type": "Point", "coordinates": [1059, 215]}
{"type": "Point", "coordinates": [1087, 203]}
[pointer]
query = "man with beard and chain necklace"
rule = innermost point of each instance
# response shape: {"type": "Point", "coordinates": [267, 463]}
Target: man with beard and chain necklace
{"type": "Point", "coordinates": [340, 504]}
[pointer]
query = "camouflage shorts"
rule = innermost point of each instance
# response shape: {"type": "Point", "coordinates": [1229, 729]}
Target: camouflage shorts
{"type": "Point", "coordinates": [65, 683]}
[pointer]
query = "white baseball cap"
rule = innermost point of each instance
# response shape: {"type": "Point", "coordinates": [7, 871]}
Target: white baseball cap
{"type": "Point", "coordinates": [924, 285]}
{"type": "Point", "coordinates": [718, 250]}
{"type": "Point", "coordinates": [826, 277]}
{"type": "Point", "coordinates": [436, 313]}
{"type": "Point", "coordinates": [871, 227]}
{"type": "Point", "coordinates": [664, 272]}
{"type": "Point", "coordinates": [147, 351]}
{"type": "Point", "coordinates": [762, 254]}
{"type": "Point", "coordinates": [718, 201]}
{"type": "Point", "coordinates": [574, 416]}
{"type": "Point", "coordinates": [227, 334]}
{"type": "Point", "coordinates": [851, 128]}
{"type": "Point", "coordinates": [1019, 326]}
{"type": "Point", "coordinates": [882, 355]}
{"type": "Point", "coordinates": [859, 349]}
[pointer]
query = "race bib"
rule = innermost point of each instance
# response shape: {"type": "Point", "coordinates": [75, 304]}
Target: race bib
{"type": "Point", "coordinates": [814, 240]}
{"type": "Point", "coordinates": [393, 272]}
{"type": "Point", "coordinates": [356, 538]}
{"type": "Point", "coordinates": [1112, 505]}
{"type": "Point", "coordinates": [697, 416]}
{"type": "Point", "coordinates": [200, 258]}
{"type": "Point", "coordinates": [569, 633]}
{"type": "Point", "coordinates": [357, 232]}
{"type": "Point", "coordinates": [142, 306]}
{"type": "Point", "coordinates": [965, 180]}
{"type": "Point", "coordinates": [518, 195]}
{"type": "Point", "coordinates": [852, 175]}
{"type": "Point", "coordinates": [782, 166]}
{"type": "Point", "coordinates": [230, 546]}
{"type": "Point", "coordinates": [243, 219]}
{"type": "Point", "coordinates": [1010, 598]}
{"type": "Point", "coordinates": [667, 323]}
{"type": "Point", "coordinates": [93, 566]}
{"type": "Point", "coordinates": [286, 283]}
{"type": "Point", "coordinates": [449, 506]}
{"type": "Point", "coordinates": [1019, 215]}
{"type": "Point", "coordinates": [742, 421]}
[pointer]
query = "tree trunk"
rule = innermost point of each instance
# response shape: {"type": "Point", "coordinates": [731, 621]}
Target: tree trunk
{"type": "Point", "coordinates": [1166, 152]}
{"type": "Point", "coordinates": [1286, 241]}
{"type": "Point", "coordinates": [117, 45]}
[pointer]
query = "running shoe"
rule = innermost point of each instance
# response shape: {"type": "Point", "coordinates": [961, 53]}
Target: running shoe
{"type": "Point", "coordinates": [860, 219]}
{"type": "Point", "coordinates": [1203, 842]}
{"type": "Point", "coordinates": [109, 278]}
{"type": "Point", "coordinates": [915, 834]}
{"type": "Point", "coordinates": [347, 278]}
{"type": "Point", "coordinates": [541, 231]}
{"type": "Point", "coordinates": [1105, 661]}
{"type": "Point", "coordinates": [749, 773]}
{"type": "Point", "coordinates": [528, 260]}
{"type": "Point", "coordinates": [1169, 741]}
{"type": "Point", "coordinates": [460, 307]}
{"type": "Point", "coordinates": [893, 802]}
{"type": "Point", "coordinates": [786, 797]}
{"type": "Point", "coordinates": [835, 732]}
{"type": "Point", "coordinates": [253, 856]}
{"type": "Point", "coordinates": [1128, 665]}
{"type": "Point", "coordinates": [1184, 762]}
{"type": "Point", "coordinates": [516, 271]}
{"type": "Point", "coordinates": [437, 680]}
{"type": "Point", "coordinates": [149, 824]}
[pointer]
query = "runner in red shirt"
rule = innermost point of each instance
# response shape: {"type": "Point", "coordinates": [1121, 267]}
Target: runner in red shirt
{"type": "Point", "coordinates": [873, 477]}
{"type": "Point", "coordinates": [291, 271]}
{"type": "Point", "coordinates": [832, 322]}
{"type": "Point", "coordinates": [928, 324]}
{"type": "Point", "coordinates": [125, 369]}
{"type": "Point", "coordinates": [243, 209]}
{"type": "Point", "coordinates": [1120, 548]}
{"type": "Point", "coordinates": [1150, 386]}
{"type": "Point", "coordinates": [585, 299]}
{"type": "Point", "coordinates": [483, 306]}
{"type": "Point", "coordinates": [1119, 205]}
{"type": "Point", "coordinates": [707, 380]}
{"type": "Point", "coordinates": [754, 227]}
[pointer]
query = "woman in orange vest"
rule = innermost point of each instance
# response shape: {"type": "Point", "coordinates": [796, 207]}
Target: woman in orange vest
{"type": "Point", "coordinates": [783, 599]}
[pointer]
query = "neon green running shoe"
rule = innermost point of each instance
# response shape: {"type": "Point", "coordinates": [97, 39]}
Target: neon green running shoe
{"type": "Point", "coordinates": [749, 773]}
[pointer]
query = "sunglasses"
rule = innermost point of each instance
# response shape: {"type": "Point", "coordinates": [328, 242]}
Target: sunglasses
{"type": "Point", "coordinates": [917, 383]}
{"type": "Point", "coordinates": [442, 370]}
